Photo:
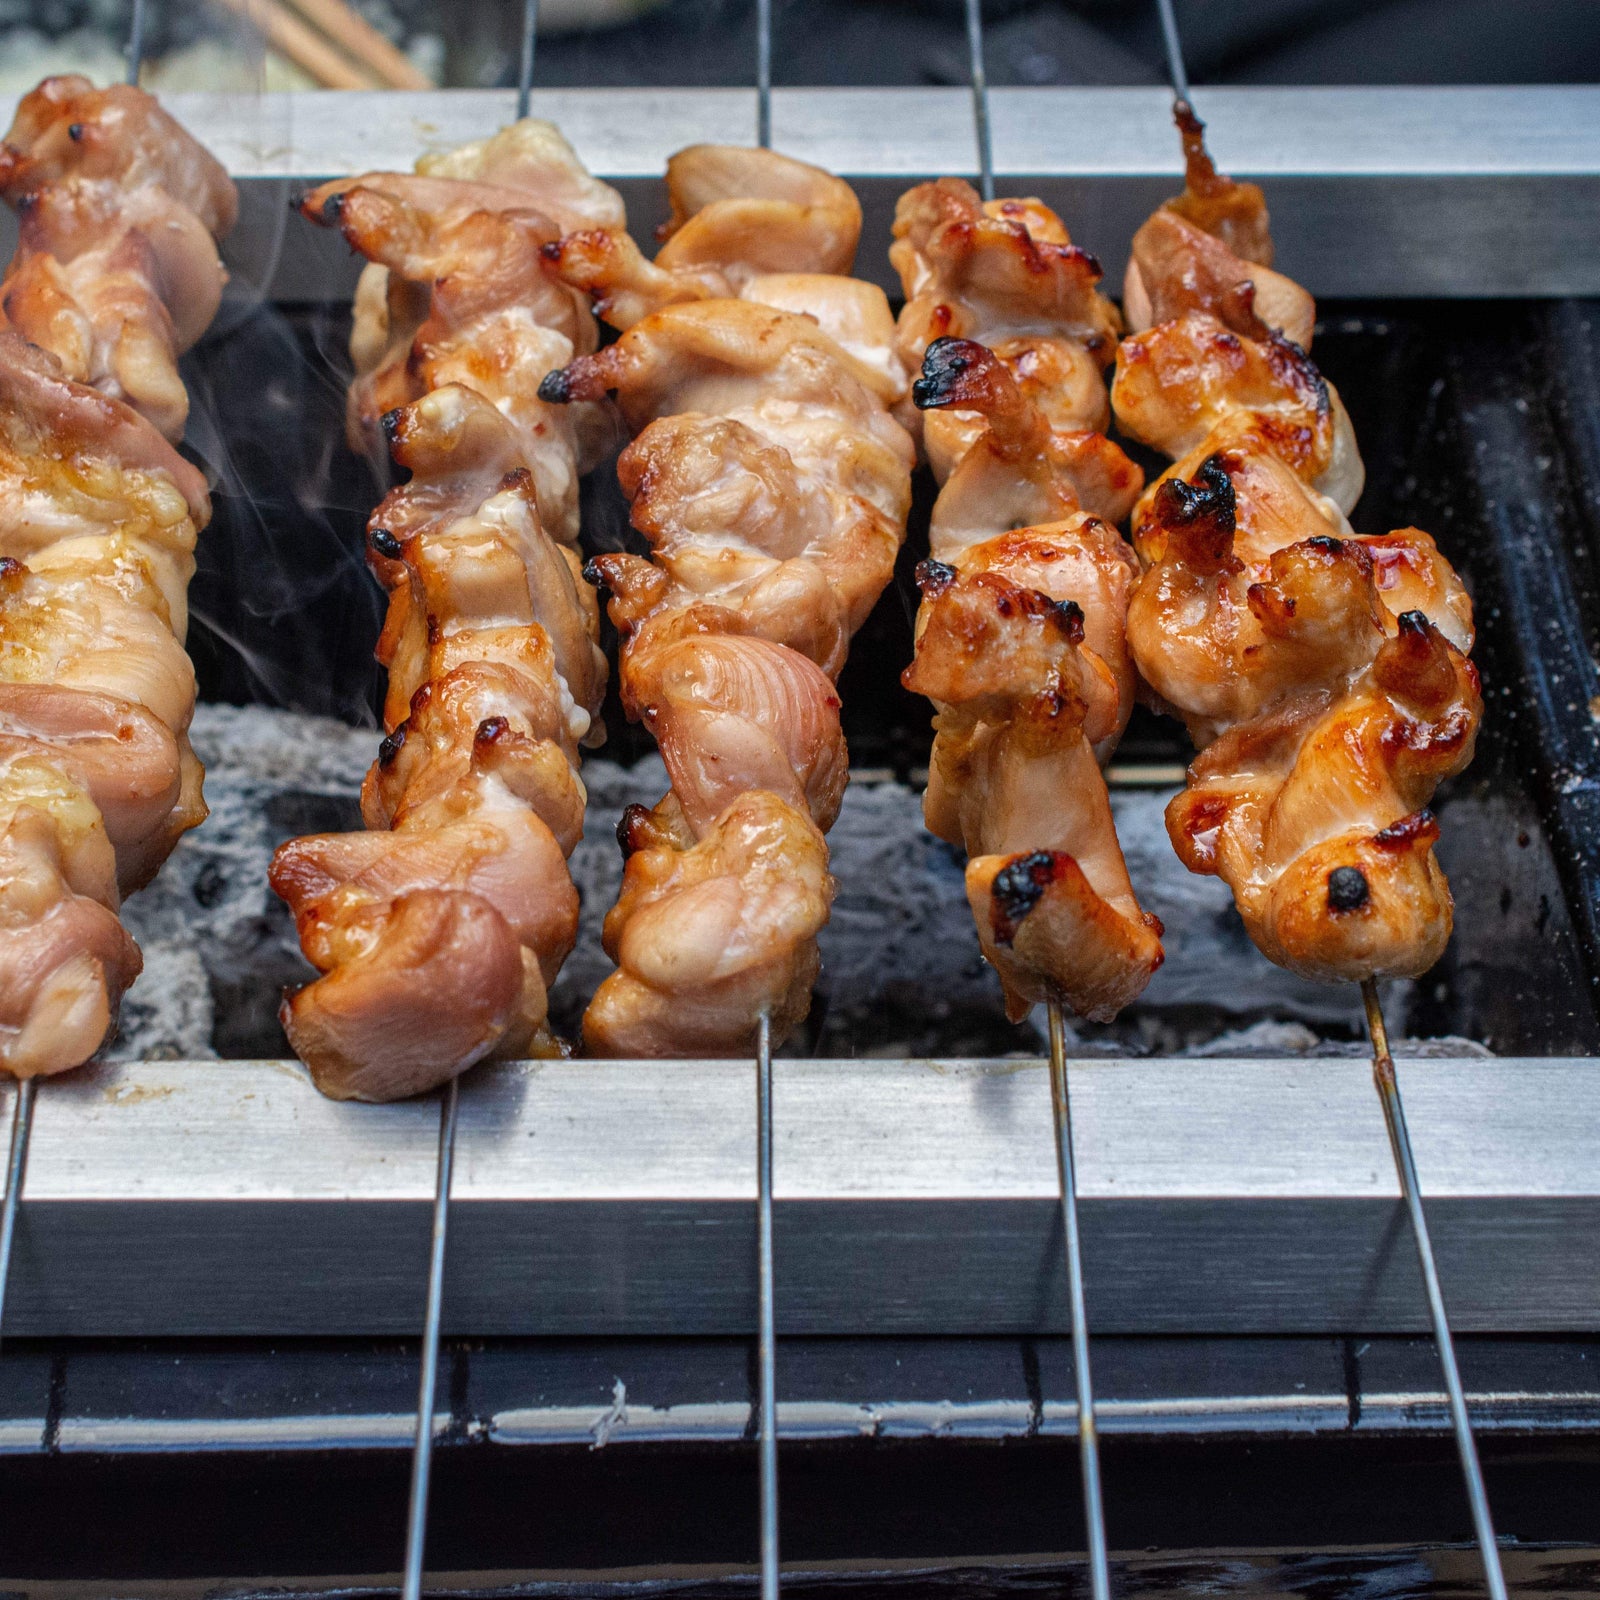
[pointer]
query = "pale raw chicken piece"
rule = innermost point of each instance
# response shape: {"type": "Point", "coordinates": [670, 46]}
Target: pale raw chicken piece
{"type": "Point", "coordinates": [1323, 673]}
{"type": "Point", "coordinates": [712, 931]}
{"type": "Point", "coordinates": [116, 271]}
{"type": "Point", "coordinates": [533, 158]}
{"type": "Point", "coordinates": [768, 475]}
{"type": "Point", "coordinates": [439, 930]}
{"type": "Point", "coordinates": [772, 479]}
{"type": "Point", "coordinates": [438, 938]}
{"type": "Point", "coordinates": [465, 300]}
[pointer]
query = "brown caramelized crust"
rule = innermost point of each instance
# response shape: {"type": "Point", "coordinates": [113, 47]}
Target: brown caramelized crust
{"type": "Point", "coordinates": [1322, 673]}
{"type": "Point", "coordinates": [1020, 634]}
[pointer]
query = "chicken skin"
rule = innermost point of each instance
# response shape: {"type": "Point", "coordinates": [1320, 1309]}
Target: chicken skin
{"type": "Point", "coordinates": [438, 931]}
{"type": "Point", "coordinates": [1019, 639]}
{"type": "Point", "coordinates": [771, 479]}
{"type": "Point", "coordinates": [116, 272]}
{"type": "Point", "coordinates": [115, 275]}
{"type": "Point", "coordinates": [1323, 674]}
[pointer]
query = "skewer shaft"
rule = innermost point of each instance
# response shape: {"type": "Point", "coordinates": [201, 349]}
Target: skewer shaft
{"type": "Point", "coordinates": [1088, 1434]}
{"type": "Point", "coordinates": [764, 73]}
{"type": "Point", "coordinates": [1174, 46]}
{"type": "Point", "coordinates": [530, 34]}
{"type": "Point", "coordinates": [980, 98]}
{"type": "Point", "coordinates": [16, 1169]}
{"type": "Point", "coordinates": [135, 41]}
{"type": "Point", "coordinates": [767, 1339]}
{"type": "Point", "coordinates": [1405, 1164]}
{"type": "Point", "coordinates": [422, 1450]}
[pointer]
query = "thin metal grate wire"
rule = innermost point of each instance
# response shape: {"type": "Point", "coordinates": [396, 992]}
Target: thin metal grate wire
{"type": "Point", "coordinates": [766, 1271]}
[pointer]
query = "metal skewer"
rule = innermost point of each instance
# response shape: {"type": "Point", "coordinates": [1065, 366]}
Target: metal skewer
{"type": "Point", "coordinates": [16, 1168]}
{"type": "Point", "coordinates": [767, 1339]}
{"type": "Point", "coordinates": [530, 32]}
{"type": "Point", "coordinates": [1394, 1117]}
{"type": "Point", "coordinates": [980, 98]}
{"type": "Point", "coordinates": [1088, 1433]}
{"type": "Point", "coordinates": [422, 1449]}
{"type": "Point", "coordinates": [1176, 70]}
{"type": "Point", "coordinates": [766, 1319]}
{"type": "Point", "coordinates": [135, 42]}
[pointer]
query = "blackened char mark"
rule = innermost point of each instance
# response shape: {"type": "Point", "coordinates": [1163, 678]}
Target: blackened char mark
{"type": "Point", "coordinates": [934, 577]}
{"type": "Point", "coordinates": [1348, 889]}
{"type": "Point", "coordinates": [392, 746]}
{"type": "Point", "coordinates": [1200, 514]}
{"type": "Point", "coordinates": [555, 388]}
{"type": "Point", "coordinates": [944, 364]}
{"type": "Point", "coordinates": [632, 827]}
{"type": "Point", "coordinates": [1016, 890]}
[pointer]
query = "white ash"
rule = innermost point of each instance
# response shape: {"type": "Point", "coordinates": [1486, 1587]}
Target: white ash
{"type": "Point", "coordinates": [901, 970]}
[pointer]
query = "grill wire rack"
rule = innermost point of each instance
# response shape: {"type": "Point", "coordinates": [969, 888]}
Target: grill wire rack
{"type": "Point", "coordinates": [1555, 655]}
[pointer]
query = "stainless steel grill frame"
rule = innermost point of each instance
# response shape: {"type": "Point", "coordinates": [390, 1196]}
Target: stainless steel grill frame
{"type": "Point", "coordinates": [907, 1196]}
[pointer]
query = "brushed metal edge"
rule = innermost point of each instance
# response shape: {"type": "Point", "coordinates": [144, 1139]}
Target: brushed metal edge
{"type": "Point", "coordinates": [609, 1198]}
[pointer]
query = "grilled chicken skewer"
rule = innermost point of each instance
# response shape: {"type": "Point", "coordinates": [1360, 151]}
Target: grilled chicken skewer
{"type": "Point", "coordinates": [772, 481]}
{"type": "Point", "coordinates": [1322, 673]}
{"type": "Point", "coordinates": [439, 930]}
{"type": "Point", "coordinates": [115, 274]}
{"type": "Point", "coordinates": [1020, 634]}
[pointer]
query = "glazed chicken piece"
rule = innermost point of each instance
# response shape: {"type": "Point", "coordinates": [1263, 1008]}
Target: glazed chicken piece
{"type": "Point", "coordinates": [1020, 646]}
{"type": "Point", "coordinates": [439, 931]}
{"type": "Point", "coordinates": [1322, 673]}
{"type": "Point", "coordinates": [1006, 274]}
{"type": "Point", "coordinates": [767, 473]}
{"type": "Point", "coordinates": [116, 271]}
{"type": "Point", "coordinates": [1020, 633]}
{"type": "Point", "coordinates": [1027, 701]}
{"type": "Point", "coordinates": [456, 291]}
{"type": "Point", "coordinates": [772, 481]}
{"type": "Point", "coordinates": [1017, 470]}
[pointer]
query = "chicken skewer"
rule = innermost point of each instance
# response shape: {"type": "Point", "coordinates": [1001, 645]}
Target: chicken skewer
{"type": "Point", "coordinates": [1020, 634]}
{"type": "Point", "coordinates": [772, 482]}
{"type": "Point", "coordinates": [1015, 438]}
{"type": "Point", "coordinates": [1339, 661]}
{"type": "Point", "coordinates": [439, 930]}
{"type": "Point", "coordinates": [116, 273]}
{"type": "Point", "coordinates": [1322, 673]}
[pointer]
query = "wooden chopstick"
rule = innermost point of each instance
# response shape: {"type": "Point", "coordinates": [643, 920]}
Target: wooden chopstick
{"type": "Point", "coordinates": [305, 47]}
{"type": "Point", "coordinates": [347, 28]}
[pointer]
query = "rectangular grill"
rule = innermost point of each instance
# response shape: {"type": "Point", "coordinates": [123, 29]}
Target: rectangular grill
{"type": "Point", "coordinates": [912, 1192]}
